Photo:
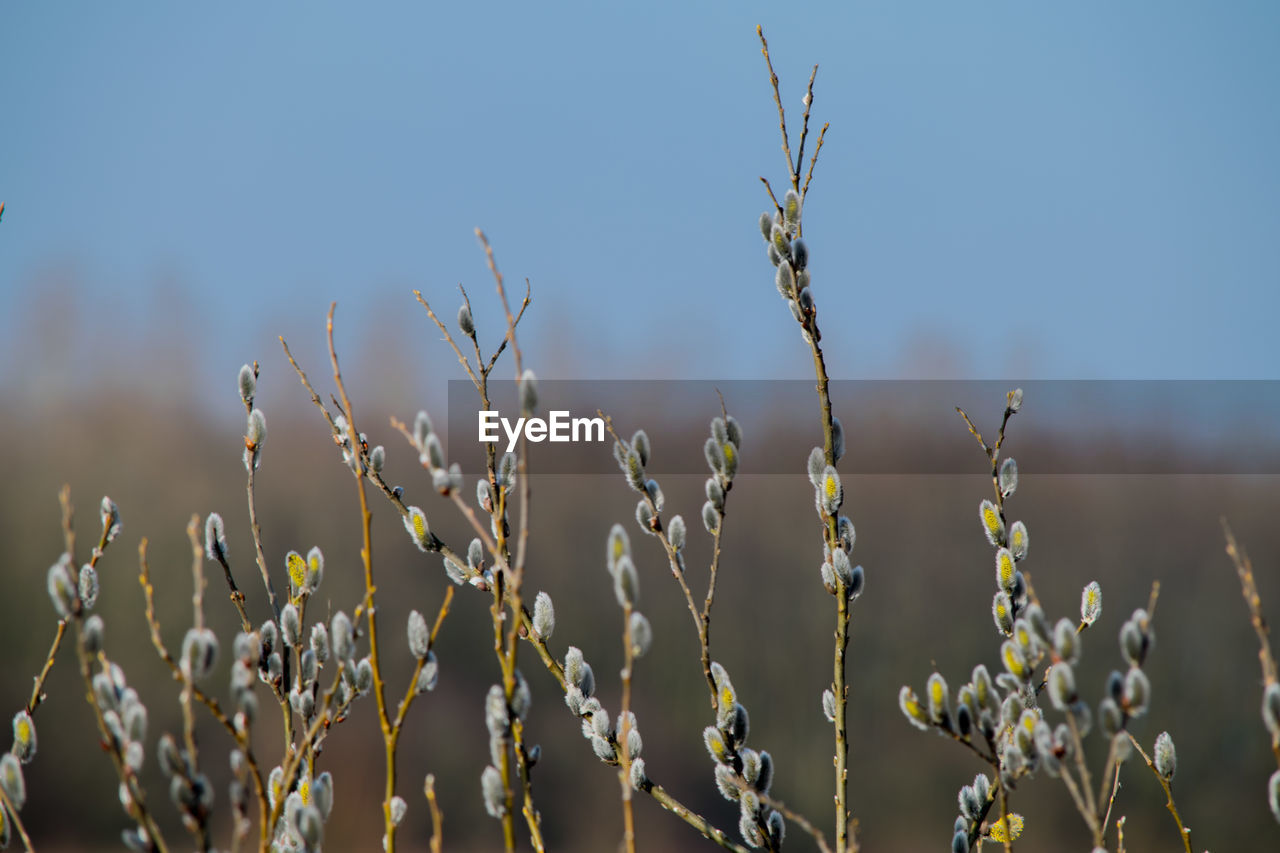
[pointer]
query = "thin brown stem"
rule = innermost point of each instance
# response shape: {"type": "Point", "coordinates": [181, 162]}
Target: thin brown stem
{"type": "Point", "coordinates": [137, 806]}
{"type": "Point", "coordinates": [795, 817]}
{"type": "Point", "coordinates": [293, 762]}
{"type": "Point", "coordinates": [769, 189]}
{"type": "Point", "coordinates": [188, 712]}
{"type": "Point", "coordinates": [979, 822]}
{"type": "Point", "coordinates": [782, 114]}
{"type": "Point", "coordinates": [532, 817]}
{"type": "Point", "coordinates": [809, 323]}
{"type": "Point", "coordinates": [1249, 589]}
{"type": "Point", "coordinates": [504, 763]}
{"type": "Point", "coordinates": [512, 320]}
{"type": "Point", "coordinates": [444, 330]}
{"type": "Point", "coordinates": [256, 529]}
{"type": "Point", "coordinates": [624, 754]}
{"type": "Point", "coordinates": [831, 534]}
{"type": "Point", "coordinates": [822, 136]}
{"type": "Point", "coordinates": [215, 709]}
{"type": "Point", "coordinates": [967, 743]}
{"type": "Point", "coordinates": [315, 398]}
{"type": "Point", "coordinates": [1083, 768]}
{"type": "Point", "coordinates": [705, 620]}
{"type": "Point", "coordinates": [412, 692]}
{"type": "Point", "coordinates": [237, 597]}
{"type": "Point", "coordinates": [1183, 832]}
{"type": "Point", "coordinates": [371, 616]}
{"type": "Point", "coordinates": [69, 539]}
{"type": "Point", "coordinates": [676, 562]}
{"type": "Point", "coordinates": [692, 818]}
{"type": "Point", "coordinates": [512, 581]}
{"type": "Point", "coordinates": [10, 813]}
{"type": "Point", "coordinates": [1110, 770]}
{"type": "Point", "coordinates": [1111, 801]}
{"type": "Point", "coordinates": [475, 342]}
{"type": "Point", "coordinates": [804, 127]}
{"type": "Point", "coordinates": [1081, 806]}
{"type": "Point", "coordinates": [1004, 814]}
{"type": "Point", "coordinates": [437, 819]}
{"type": "Point", "coordinates": [37, 691]}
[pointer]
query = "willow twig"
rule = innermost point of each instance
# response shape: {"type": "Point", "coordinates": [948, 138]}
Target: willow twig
{"type": "Point", "coordinates": [1183, 832]}
{"type": "Point", "coordinates": [1249, 588]}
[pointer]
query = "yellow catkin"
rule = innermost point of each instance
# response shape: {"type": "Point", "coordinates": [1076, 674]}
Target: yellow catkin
{"type": "Point", "coordinates": [992, 519]}
{"type": "Point", "coordinates": [1013, 661]}
{"type": "Point", "coordinates": [1015, 829]}
{"type": "Point", "coordinates": [297, 569]}
{"type": "Point", "coordinates": [1004, 568]}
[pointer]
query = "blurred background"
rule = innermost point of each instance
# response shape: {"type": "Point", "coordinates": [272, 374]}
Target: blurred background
{"type": "Point", "coordinates": [1006, 192]}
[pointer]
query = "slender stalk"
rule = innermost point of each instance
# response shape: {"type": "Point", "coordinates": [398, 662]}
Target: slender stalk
{"type": "Point", "coordinates": [782, 114]}
{"type": "Point", "coordinates": [809, 322]}
{"type": "Point", "coordinates": [412, 692]}
{"type": "Point", "coordinates": [531, 816]}
{"type": "Point", "coordinates": [1110, 770]}
{"type": "Point", "coordinates": [1249, 588]}
{"type": "Point", "coordinates": [1004, 814]}
{"type": "Point", "coordinates": [705, 634]}
{"type": "Point", "coordinates": [37, 690]}
{"type": "Point", "coordinates": [1111, 801]}
{"type": "Point", "coordinates": [1081, 806]}
{"type": "Point", "coordinates": [256, 529]}
{"type": "Point", "coordinates": [795, 817]}
{"type": "Point", "coordinates": [839, 687]}
{"type": "Point", "coordinates": [366, 558]}
{"type": "Point", "coordinates": [237, 597]}
{"type": "Point", "coordinates": [437, 819]}
{"type": "Point", "coordinates": [136, 805]}
{"type": "Point", "coordinates": [1083, 767]}
{"type": "Point", "coordinates": [975, 831]}
{"type": "Point", "coordinates": [188, 712]}
{"type": "Point", "coordinates": [504, 764]}
{"type": "Point", "coordinates": [1183, 832]}
{"type": "Point", "coordinates": [676, 562]}
{"type": "Point", "coordinates": [624, 754]}
{"type": "Point", "coordinates": [215, 709]}
{"type": "Point", "coordinates": [293, 762]}
{"type": "Point", "coordinates": [11, 813]}
{"type": "Point", "coordinates": [692, 818]}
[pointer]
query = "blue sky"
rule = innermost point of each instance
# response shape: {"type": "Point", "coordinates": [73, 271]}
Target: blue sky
{"type": "Point", "coordinates": [1083, 190]}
